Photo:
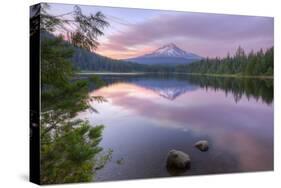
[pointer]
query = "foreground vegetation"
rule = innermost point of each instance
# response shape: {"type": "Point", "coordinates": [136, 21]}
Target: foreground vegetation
{"type": "Point", "coordinates": [70, 150]}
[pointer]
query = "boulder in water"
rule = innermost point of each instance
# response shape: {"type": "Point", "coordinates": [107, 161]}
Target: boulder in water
{"type": "Point", "coordinates": [202, 145]}
{"type": "Point", "coordinates": [178, 160]}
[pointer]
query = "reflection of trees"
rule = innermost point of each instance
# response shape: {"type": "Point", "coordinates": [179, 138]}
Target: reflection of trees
{"type": "Point", "coordinates": [259, 89]}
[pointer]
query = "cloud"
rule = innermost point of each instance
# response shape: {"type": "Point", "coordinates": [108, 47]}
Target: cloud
{"type": "Point", "coordinates": [195, 28]}
{"type": "Point", "coordinates": [200, 26]}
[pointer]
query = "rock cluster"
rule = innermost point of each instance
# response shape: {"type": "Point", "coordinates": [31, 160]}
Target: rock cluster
{"type": "Point", "coordinates": [180, 160]}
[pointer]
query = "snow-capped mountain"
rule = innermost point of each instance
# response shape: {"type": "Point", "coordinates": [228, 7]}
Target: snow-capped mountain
{"type": "Point", "coordinates": [168, 89]}
{"type": "Point", "coordinates": [167, 54]}
{"type": "Point", "coordinates": [171, 50]}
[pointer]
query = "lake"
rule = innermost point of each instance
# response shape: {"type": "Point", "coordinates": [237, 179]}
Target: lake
{"type": "Point", "coordinates": [147, 115]}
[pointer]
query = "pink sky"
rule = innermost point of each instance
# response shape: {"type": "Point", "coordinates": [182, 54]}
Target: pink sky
{"type": "Point", "coordinates": [134, 32]}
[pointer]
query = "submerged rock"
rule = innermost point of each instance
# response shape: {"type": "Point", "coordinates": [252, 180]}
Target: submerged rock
{"type": "Point", "coordinates": [202, 145]}
{"type": "Point", "coordinates": [178, 160]}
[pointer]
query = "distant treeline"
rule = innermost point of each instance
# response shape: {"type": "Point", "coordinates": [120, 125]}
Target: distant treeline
{"type": "Point", "coordinates": [87, 61]}
{"type": "Point", "coordinates": [255, 63]}
{"type": "Point", "coordinates": [258, 63]}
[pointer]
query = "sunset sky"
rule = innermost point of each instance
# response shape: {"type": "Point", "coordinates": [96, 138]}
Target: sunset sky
{"type": "Point", "coordinates": [134, 32]}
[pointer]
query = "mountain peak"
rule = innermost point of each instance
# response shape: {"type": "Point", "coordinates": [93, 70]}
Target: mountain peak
{"type": "Point", "coordinates": [167, 54]}
{"type": "Point", "coordinates": [169, 50]}
{"type": "Point", "coordinates": [169, 45]}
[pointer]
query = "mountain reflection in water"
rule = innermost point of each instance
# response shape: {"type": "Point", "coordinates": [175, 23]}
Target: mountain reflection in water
{"type": "Point", "coordinates": [148, 115]}
{"type": "Point", "coordinates": [172, 86]}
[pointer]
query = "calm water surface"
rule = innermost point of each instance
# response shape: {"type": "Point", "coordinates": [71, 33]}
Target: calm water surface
{"type": "Point", "coordinates": [146, 116]}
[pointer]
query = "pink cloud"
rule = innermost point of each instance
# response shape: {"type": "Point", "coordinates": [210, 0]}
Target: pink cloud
{"type": "Point", "coordinates": [206, 34]}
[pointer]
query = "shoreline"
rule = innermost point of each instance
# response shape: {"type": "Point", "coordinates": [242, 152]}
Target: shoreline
{"type": "Point", "coordinates": [111, 73]}
{"type": "Point", "coordinates": [232, 76]}
{"type": "Point", "coordinates": [193, 74]}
